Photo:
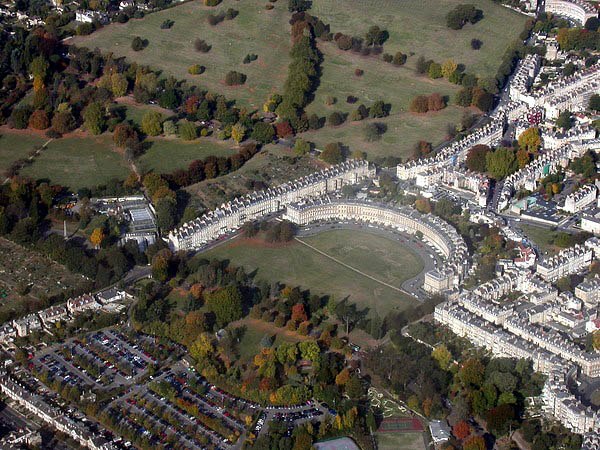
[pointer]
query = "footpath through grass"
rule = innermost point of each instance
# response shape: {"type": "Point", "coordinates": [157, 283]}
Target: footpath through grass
{"type": "Point", "coordinates": [296, 264]}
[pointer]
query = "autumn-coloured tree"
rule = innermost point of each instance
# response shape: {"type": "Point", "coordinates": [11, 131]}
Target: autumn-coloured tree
{"type": "Point", "coordinates": [474, 443]}
{"type": "Point", "coordinates": [196, 290]}
{"type": "Point", "coordinates": [435, 102]}
{"type": "Point", "coordinates": [596, 340]}
{"type": "Point", "coordinates": [461, 430]}
{"type": "Point", "coordinates": [423, 205]}
{"type": "Point", "coordinates": [471, 372]}
{"type": "Point", "coordinates": [39, 120]}
{"type": "Point", "coordinates": [522, 158]}
{"type": "Point", "coordinates": [442, 355]}
{"type": "Point", "coordinates": [419, 104]}
{"type": "Point", "coordinates": [530, 140]}
{"type": "Point", "coordinates": [63, 122]}
{"type": "Point", "coordinates": [343, 377]}
{"type": "Point", "coordinates": [123, 135]}
{"type": "Point", "coordinates": [299, 313]}
{"type": "Point", "coordinates": [283, 129]}
{"type": "Point", "coordinates": [476, 158]}
{"type": "Point", "coordinates": [191, 104]}
{"type": "Point", "coordinates": [97, 237]}
{"type": "Point", "coordinates": [448, 68]}
{"type": "Point", "coordinates": [238, 132]}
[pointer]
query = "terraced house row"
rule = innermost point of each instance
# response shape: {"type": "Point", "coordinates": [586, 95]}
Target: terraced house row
{"type": "Point", "coordinates": [259, 204]}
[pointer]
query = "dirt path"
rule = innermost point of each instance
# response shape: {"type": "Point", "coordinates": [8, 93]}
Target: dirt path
{"type": "Point", "coordinates": [383, 283]}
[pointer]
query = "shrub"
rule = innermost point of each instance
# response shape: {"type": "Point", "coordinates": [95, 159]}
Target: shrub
{"type": "Point", "coordinates": [231, 14]}
{"type": "Point", "coordinates": [122, 18]}
{"type": "Point", "coordinates": [436, 102]}
{"type": "Point", "coordinates": [434, 71]}
{"type": "Point", "coordinates": [234, 78]}
{"type": "Point", "coordinates": [201, 46]}
{"type": "Point", "coordinates": [476, 44]}
{"type": "Point", "coordinates": [138, 44]}
{"type": "Point", "coordinates": [399, 59]}
{"type": "Point", "coordinates": [332, 153]}
{"type": "Point", "coordinates": [187, 130]}
{"type": "Point", "coordinates": [212, 2]}
{"type": "Point", "coordinates": [249, 58]}
{"type": "Point", "coordinates": [39, 120]}
{"type": "Point", "coordinates": [269, 6]}
{"type": "Point", "coordinates": [374, 131]}
{"type": "Point", "coordinates": [419, 104]}
{"type": "Point", "coordinates": [335, 118]}
{"type": "Point", "coordinates": [167, 24]}
{"type": "Point", "coordinates": [196, 69]}
{"type": "Point", "coordinates": [215, 19]}
{"type": "Point", "coordinates": [359, 72]}
{"type": "Point", "coordinates": [351, 99]}
{"type": "Point", "coordinates": [387, 57]}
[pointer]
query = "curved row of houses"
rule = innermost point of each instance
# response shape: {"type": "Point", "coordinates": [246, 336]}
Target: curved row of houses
{"type": "Point", "coordinates": [259, 204]}
{"type": "Point", "coordinates": [577, 10]}
{"type": "Point", "coordinates": [438, 232]}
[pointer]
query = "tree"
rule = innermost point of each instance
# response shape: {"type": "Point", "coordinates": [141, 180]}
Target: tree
{"type": "Point", "coordinates": [123, 135]}
{"type": "Point", "coordinates": [476, 44]}
{"type": "Point", "coordinates": [234, 78]}
{"type": "Point", "coordinates": [196, 69]}
{"type": "Point", "coordinates": [63, 122]}
{"type": "Point", "coordinates": [374, 131]}
{"type": "Point", "coordinates": [332, 153]}
{"type": "Point", "coordinates": [399, 59]}
{"type": "Point", "coordinates": [299, 313]}
{"type": "Point", "coordinates": [596, 340]}
{"type": "Point", "coordinates": [434, 71]}
{"type": "Point", "coordinates": [118, 84]}
{"type": "Point", "coordinates": [263, 132]}
{"type": "Point", "coordinates": [499, 418]}
{"type": "Point", "coordinates": [376, 36]}
{"type": "Point", "coordinates": [187, 130]}
{"type": "Point", "coordinates": [476, 158]}
{"type": "Point", "coordinates": [226, 304]}
{"type": "Point", "coordinates": [501, 163]}
{"type": "Point", "coordinates": [238, 131]}
{"type": "Point", "coordinates": [522, 158]}
{"type": "Point", "coordinates": [419, 104]}
{"type": "Point", "coordinates": [354, 388]}
{"type": "Point", "coordinates": [335, 118]}
{"type": "Point", "coordinates": [442, 355]}
{"type": "Point", "coordinates": [138, 44]}
{"type": "Point", "coordinates": [309, 350]}
{"type": "Point", "coordinates": [423, 205]}
{"type": "Point", "coordinates": [461, 15]}
{"type": "Point", "coordinates": [301, 147]}
{"type": "Point", "coordinates": [152, 123]}
{"type": "Point", "coordinates": [97, 237]}
{"type": "Point", "coordinates": [530, 140]}
{"type": "Point", "coordinates": [461, 430]}
{"type": "Point", "coordinates": [298, 5]}
{"type": "Point", "coordinates": [39, 120]}
{"type": "Point", "coordinates": [474, 443]}
{"type": "Point", "coordinates": [93, 118]}
{"type": "Point", "coordinates": [564, 120]}
{"type": "Point", "coordinates": [471, 372]}
{"type": "Point", "coordinates": [378, 109]}
{"type": "Point", "coordinates": [435, 102]}
{"type": "Point", "coordinates": [594, 103]}
{"type": "Point", "coordinates": [166, 208]}
{"type": "Point", "coordinates": [201, 46]}
{"type": "Point", "coordinates": [448, 68]}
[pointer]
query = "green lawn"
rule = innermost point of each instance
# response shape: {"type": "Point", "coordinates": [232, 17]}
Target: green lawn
{"type": "Point", "coordinates": [543, 237]}
{"type": "Point", "coordinates": [166, 154]}
{"type": "Point", "coordinates": [135, 113]}
{"type": "Point", "coordinates": [254, 30]}
{"type": "Point", "coordinates": [297, 264]}
{"type": "Point", "coordinates": [419, 27]}
{"type": "Point", "coordinates": [400, 441]}
{"type": "Point", "coordinates": [79, 162]}
{"type": "Point", "coordinates": [15, 146]}
{"type": "Point", "coordinates": [404, 131]}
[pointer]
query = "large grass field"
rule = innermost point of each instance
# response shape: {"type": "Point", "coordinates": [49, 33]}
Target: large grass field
{"type": "Point", "coordinates": [254, 30]}
{"type": "Point", "coordinates": [77, 162]}
{"type": "Point", "coordinates": [15, 146]}
{"type": "Point", "coordinates": [419, 27]}
{"type": "Point", "coordinates": [166, 155]}
{"type": "Point", "coordinates": [404, 131]}
{"type": "Point", "coordinates": [400, 441]}
{"type": "Point", "coordinates": [296, 264]}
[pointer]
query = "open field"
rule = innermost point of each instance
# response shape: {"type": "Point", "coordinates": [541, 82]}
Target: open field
{"type": "Point", "coordinates": [296, 264]}
{"type": "Point", "coordinates": [168, 154]}
{"type": "Point", "coordinates": [404, 132]}
{"type": "Point", "coordinates": [254, 30]}
{"type": "Point", "coordinates": [419, 26]}
{"type": "Point", "coordinates": [77, 162]}
{"type": "Point", "coordinates": [16, 145]}
{"type": "Point", "coordinates": [543, 237]}
{"type": "Point", "coordinates": [400, 441]}
{"type": "Point", "coordinates": [255, 331]}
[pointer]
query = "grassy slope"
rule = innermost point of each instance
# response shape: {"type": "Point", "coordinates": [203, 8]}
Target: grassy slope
{"type": "Point", "coordinates": [166, 155]}
{"type": "Point", "coordinates": [14, 146]}
{"type": "Point", "coordinates": [254, 30]}
{"type": "Point", "coordinates": [296, 264]}
{"type": "Point", "coordinates": [78, 162]}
